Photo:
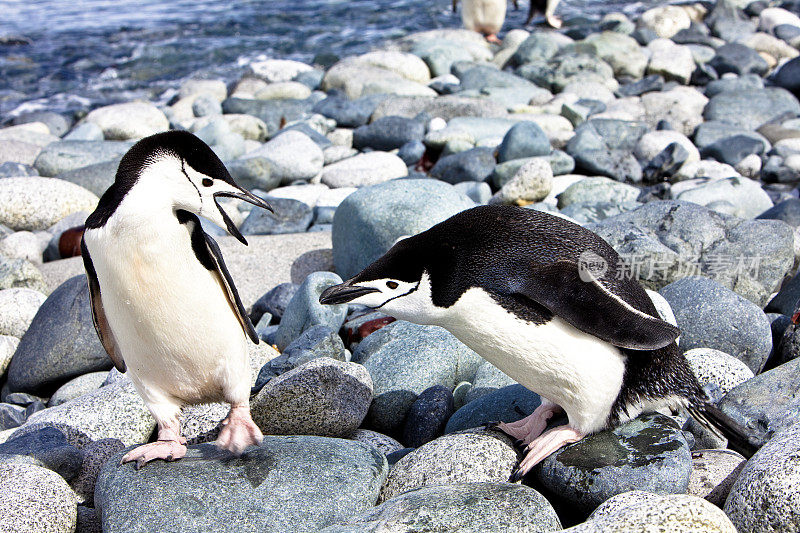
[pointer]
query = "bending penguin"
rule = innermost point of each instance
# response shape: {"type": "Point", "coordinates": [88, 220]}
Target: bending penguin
{"type": "Point", "coordinates": [163, 302]}
{"type": "Point", "coordinates": [543, 300]}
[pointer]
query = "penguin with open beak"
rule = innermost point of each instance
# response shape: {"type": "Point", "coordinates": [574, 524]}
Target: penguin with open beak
{"type": "Point", "coordinates": [548, 303]}
{"type": "Point", "coordinates": [163, 302]}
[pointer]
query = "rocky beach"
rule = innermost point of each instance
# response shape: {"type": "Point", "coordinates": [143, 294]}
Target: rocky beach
{"type": "Point", "coordinates": [673, 134]}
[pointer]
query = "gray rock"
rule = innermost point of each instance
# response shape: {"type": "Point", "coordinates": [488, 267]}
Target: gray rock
{"type": "Point", "coordinates": [787, 211]}
{"type": "Point", "coordinates": [751, 108]}
{"type": "Point", "coordinates": [717, 368]}
{"type": "Point", "coordinates": [538, 46]}
{"type": "Point", "coordinates": [266, 489]}
{"type": "Point", "coordinates": [446, 107]}
{"type": "Point", "coordinates": [305, 311]}
{"type": "Point", "coordinates": [369, 221]}
{"type": "Point", "coordinates": [10, 169]}
{"type": "Point", "coordinates": [18, 306]}
{"type": "Point", "coordinates": [274, 301]}
{"type": "Point", "coordinates": [487, 379]}
{"type": "Point", "coordinates": [713, 474]}
{"type": "Point", "coordinates": [274, 113]}
{"type": "Point", "coordinates": [595, 212]}
{"type": "Point", "coordinates": [648, 453]}
{"type": "Point", "coordinates": [767, 403]}
{"type": "Point", "coordinates": [478, 192]}
{"type": "Point", "coordinates": [35, 203]}
{"type": "Point", "coordinates": [77, 386]}
{"type": "Point", "coordinates": [19, 273]}
{"type": "Point", "coordinates": [130, 120]}
{"type": "Point", "coordinates": [508, 404]}
{"type": "Point", "coordinates": [322, 397]}
{"type": "Point", "coordinates": [292, 156]}
{"type": "Point", "coordinates": [88, 521]}
{"type": "Point", "coordinates": [764, 497]}
{"type": "Point", "coordinates": [525, 139]}
{"type": "Point", "coordinates": [95, 178]}
{"type": "Point", "coordinates": [741, 197]}
{"type": "Point", "coordinates": [597, 190]}
{"type": "Point", "coordinates": [57, 124]}
{"type": "Point", "coordinates": [203, 422]}
{"type": "Point", "coordinates": [388, 133]}
{"type": "Point", "coordinates": [62, 156]}
{"type": "Point", "coordinates": [670, 240]}
{"type": "Point", "coordinates": [714, 131]}
{"type": "Point", "coordinates": [34, 499]}
{"type": "Point", "coordinates": [739, 59]}
{"type": "Point", "coordinates": [349, 113]}
{"type": "Point", "coordinates": [558, 72]}
{"type": "Point", "coordinates": [313, 343]}
{"type": "Point", "coordinates": [85, 131]}
{"type": "Point", "coordinates": [404, 359]}
{"type": "Point", "coordinates": [459, 507]}
{"type": "Point", "coordinates": [440, 55]}
{"type": "Point", "coordinates": [61, 342]}
{"type": "Point", "coordinates": [254, 172]}
{"type": "Point", "coordinates": [290, 216]}
{"type": "Point", "coordinates": [364, 169]}
{"type": "Point", "coordinates": [383, 443]}
{"type": "Point", "coordinates": [480, 77]}
{"type": "Point", "coordinates": [705, 311]}
{"type": "Point", "coordinates": [476, 164]}
{"type": "Point", "coordinates": [114, 411]}
{"type": "Point", "coordinates": [427, 416]}
{"type": "Point", "coordinates": [48, 448]}
{"type": "Point", "coordinates": [604, 147]}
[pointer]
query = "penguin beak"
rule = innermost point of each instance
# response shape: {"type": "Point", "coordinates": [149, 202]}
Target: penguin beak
{"type": "Point", "coordinates": [248, 197]}
{"type": "Point", "coordinates": [343, 293]}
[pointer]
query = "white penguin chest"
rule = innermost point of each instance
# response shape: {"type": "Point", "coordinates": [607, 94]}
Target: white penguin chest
{"type": "Point", "coordinates": [170, 315]}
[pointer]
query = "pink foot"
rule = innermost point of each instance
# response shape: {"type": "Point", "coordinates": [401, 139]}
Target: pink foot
{"type": "Point", "coordinates": [547, 443]}
{"type": "Point", "coordinates": [239, 431]}
{"type": "Point", "coordinates": [531, 426]}
{"type": "Point", "coordinates": [168, 450]}
{"type": "Point", "coordinates": [492, 38]}
{"type": "Point", "coordinates": [554, 21]}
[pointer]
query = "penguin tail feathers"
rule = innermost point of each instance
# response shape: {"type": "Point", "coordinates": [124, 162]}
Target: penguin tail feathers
{"type": "Point", "coordinates": [722, 425]}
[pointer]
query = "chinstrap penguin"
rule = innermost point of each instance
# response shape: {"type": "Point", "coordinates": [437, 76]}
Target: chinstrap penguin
{"type": "Point", "coordinates": [163, 302]}
{"type": "Point", "coordinates": [543, 300]}
{"type": "Point", "coordinates": [484, 16]}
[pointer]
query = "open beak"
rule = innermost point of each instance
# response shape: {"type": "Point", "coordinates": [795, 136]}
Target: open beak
{"type": "Point", "coordinates": [248, 197]}
{"type": "Point", "coordinates": [343, 293]}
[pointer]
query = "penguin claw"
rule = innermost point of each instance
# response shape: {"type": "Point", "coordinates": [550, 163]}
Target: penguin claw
{"type": "Point", "coordinates": [492, 426]}
{"type": "Point", "coordinates": [516, 475]}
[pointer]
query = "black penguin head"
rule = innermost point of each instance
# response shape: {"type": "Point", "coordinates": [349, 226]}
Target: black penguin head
{"type": "Point", "coordinates": [390, 283]}
{"type": "Point", "coordinates": [181, 166]}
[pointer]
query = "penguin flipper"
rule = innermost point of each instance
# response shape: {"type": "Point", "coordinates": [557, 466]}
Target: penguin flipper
{"type": "Point", "coordinates": [583, 301]}
{"type": "Point", "coordinates": [99, 319]}
{"type": "Point", "coordinates": [233, 295]}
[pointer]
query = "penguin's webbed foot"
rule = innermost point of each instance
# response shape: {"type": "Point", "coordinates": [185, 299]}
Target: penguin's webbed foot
{"type": "Point", "coordinates": [168, 450]}
{"type": "Point", "coordinates": [530, 427]}
{"type": "Point", "coordinates": [547, 443]}
{"type": "Point", "coordinates": [554, 21]}
{"type": "Point", "coordinates": [492, 38]}
{"type": "Point", "coordinates": [239, 431]}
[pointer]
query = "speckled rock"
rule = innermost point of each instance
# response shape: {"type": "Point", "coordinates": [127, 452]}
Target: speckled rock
{"type": "Point", "coordinates": [764, 497]}
{"type": "Point", "coordinates": [507, 404]}
{"type": "Point", "coordinates": [95, 455]}
{"type": "Point", "coordinates": [292, 156]}
{"type": "Point", "coordinates": [61, 342]}
{"type": "Point", "coordinates": [202, 422]}
{"type": "Point", "coordinates": [77, 386]}
{"type": "Point", "coordinates": [364, 169]}
{"type": "Point", "coordinates": [297, 483]}
{"type": "Point", "coordinates": [713, 474]}
{"type": "Point", "coordinates": [8, 345]}
{"type": "Point", "coordinates": [705, 309]}
{"type": "Point", "coordinates": [132, 120]}
{"type": "Point", "coordinates": [46, 447]}
{"type": "Point", "coordinates": [19, 273]}
{"type": "Point", "coordinates": [738, 196]}
{"type": "Point", "coordinates": [35, 500]}
{"type": "Point", "coordinates": [114, 411]}
{"type": "Point", "coordinates": [427, 416]}
{"type": "Point", "coordinates": [322, 397]}
{"type": "Point", "coordinates": [677, 513]}
{"type": "Point", "coordinates": [404, 359]}
{"type": "Point", "coordinates": [456, 458]}
{"type": "Point", "coordinates": [531, 183]}
{"type": "Point", "coordinates": [69, 155]}
{"type": "Point", "coordinates": [369, 221]}
{"type": "Point", "coordinates": [487, 379]}
{"type": "Point", "coordinates": [485, 507]}
{"type": "Point", "coordinates": [718, 368]}
{"type": "Point", "coordinates": [767, 403]}
{"type": "Point", "coordinates": [17, 309]}
{"type": "Point", "coordinates": [383, 443]}
{"type": "Point", "coordinates": [35, 203]}
{"type": "Point", "coordinates": [305, 311]}
{"type": "Point", "coordinates": [648, 453]}
{"type": "Point", "coordinates": [23, 245]}
{"type": "Point", "coordinates": [751, 108]}
{"type": "Point", "coordinates": [672, 240]}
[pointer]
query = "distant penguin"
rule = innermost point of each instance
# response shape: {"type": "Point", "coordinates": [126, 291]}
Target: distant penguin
{"type": "Point", "coordinates": [484, 16]}
{"type": "Point", "coordinates": [163, 302]}
{"type": "Point", "coordinates": [547, 8]}
{"type": "Point", "coordinates": [548, 303]}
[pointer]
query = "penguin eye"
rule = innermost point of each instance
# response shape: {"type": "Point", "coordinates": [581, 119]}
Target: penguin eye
{"type": "Point", "coordinates": [207, 182]}
{"type": "Point", "coordinates": [392, 284]}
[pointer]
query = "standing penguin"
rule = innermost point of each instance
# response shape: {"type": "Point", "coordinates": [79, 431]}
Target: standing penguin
{"type": "Point", "coordinates": [484, 16]}
{"type": "Point", "coordinates": [163, 302]}
{"type": "Point", "coordinates": [547, 8]}
{"type": "Point", "coordinates": [547, 302]}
